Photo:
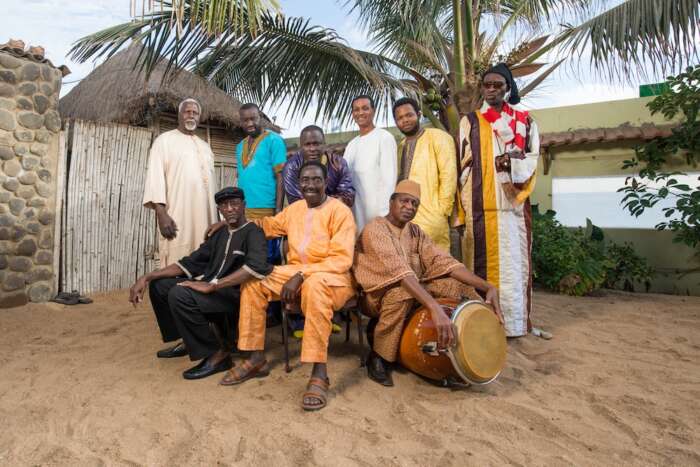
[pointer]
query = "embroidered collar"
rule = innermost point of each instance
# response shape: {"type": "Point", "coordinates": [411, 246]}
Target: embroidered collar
{"type": "Point", "coordinates": [249, 149]}
{"type": "Point", "coordinates": [239, 228]}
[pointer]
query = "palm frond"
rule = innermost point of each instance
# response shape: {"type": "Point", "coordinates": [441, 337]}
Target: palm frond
{"type": "Point", "coordinates": [291, 60]}
{"type": "Point", "coordinates": [536, 13]}
{"type": "Point", "coordinates": [395, 25]}
{"type": "Point", "coordinates": [214, 16]}
{"type": "Point", "coordinates": [636, 33]}
{"type": "Point", "coordinates": [529, 87]}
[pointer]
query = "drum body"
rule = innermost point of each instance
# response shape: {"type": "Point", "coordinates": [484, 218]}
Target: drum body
{"type": "Point", "coordinates": [478, 355]}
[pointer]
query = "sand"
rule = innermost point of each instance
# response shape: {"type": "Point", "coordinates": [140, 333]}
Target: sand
{"type": "Point", "coordinates": [618, 384]}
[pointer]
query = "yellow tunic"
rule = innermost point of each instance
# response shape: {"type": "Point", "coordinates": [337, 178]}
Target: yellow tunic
{"type": "Point", "coordinates": [321, 246]}
{"type": "Point", "coordinates": [434, 167]}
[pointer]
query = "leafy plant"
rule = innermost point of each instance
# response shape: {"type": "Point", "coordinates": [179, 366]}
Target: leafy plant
{"type": "Point", "coordinates": [579, 261]}
{"type": "Point", "coordinates": [627, 268]}
{"type": "Point", "coordinates": [651, 185]}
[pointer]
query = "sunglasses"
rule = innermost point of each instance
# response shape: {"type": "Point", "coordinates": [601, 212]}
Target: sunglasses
{"type": "Point", "coordinates": [493, 84]}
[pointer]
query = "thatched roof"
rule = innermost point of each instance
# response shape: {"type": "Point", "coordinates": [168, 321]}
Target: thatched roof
{"type": "Point", "coordinates": [115, 92]}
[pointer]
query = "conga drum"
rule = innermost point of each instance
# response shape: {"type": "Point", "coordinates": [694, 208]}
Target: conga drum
{"type": "Point", "coordinates": [477, 357]}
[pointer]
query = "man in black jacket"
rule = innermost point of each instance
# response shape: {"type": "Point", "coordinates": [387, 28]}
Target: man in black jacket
{"type": "Point", "coordinates": [192, 296]}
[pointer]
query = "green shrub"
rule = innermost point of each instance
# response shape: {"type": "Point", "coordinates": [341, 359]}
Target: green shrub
{"type": "Point", "coordinates": [579, 261]}
{"type": "Point", "coordinates": [628, 268]}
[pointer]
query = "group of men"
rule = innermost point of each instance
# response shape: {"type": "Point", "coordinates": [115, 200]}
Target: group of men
{"type": "Point", "coordinates": [375, 220]}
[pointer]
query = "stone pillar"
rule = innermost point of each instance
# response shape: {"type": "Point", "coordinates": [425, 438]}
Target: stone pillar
{"type": "Point", "coordinates": [29, 151]}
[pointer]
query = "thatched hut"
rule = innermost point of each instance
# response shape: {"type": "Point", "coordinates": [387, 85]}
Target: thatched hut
{"type": "Point", "coordinates": [110, 119]}
{"type": "Point", "coordinates": [115, 92]}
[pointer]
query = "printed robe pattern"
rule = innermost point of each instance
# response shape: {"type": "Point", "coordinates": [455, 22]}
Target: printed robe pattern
{"type": "Point", "coordinates": [384, 256]}
{"type": "Point", "coordinates": [497, 216]}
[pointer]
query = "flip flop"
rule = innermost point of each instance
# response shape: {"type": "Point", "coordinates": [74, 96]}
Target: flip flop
{"type": "Point", "coordinates": [317, 389]}
{"type": "Point", "coordinates": [244, 372]}
{"type": "Point", "coordinates": [541, 333]}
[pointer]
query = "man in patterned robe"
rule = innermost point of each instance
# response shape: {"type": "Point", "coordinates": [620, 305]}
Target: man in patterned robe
{"type": "Point", "coordinates": [398, 265]}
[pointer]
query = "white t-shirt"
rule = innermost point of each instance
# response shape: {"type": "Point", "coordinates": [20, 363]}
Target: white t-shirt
{"type": "Point", "coordinates": [372, 160]}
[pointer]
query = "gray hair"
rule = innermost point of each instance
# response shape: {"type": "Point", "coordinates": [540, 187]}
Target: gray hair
{"type": "Point", "coordinates": [189, 99]}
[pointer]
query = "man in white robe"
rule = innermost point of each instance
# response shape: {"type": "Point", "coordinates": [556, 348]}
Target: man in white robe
{"type": "Point", "coordinates": [372, 159]}
{"type": "Point", "coordinates": [180, 186]}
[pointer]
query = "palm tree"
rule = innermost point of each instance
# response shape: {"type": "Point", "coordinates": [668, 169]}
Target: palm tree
{"type": "Point", "coordinates": [432, 49]}
{"type": "Point", "coordinates": [214, 15]}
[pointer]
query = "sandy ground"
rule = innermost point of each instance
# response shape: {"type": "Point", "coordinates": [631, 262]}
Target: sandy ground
{"type": "Point", "coordinates": [618, 385]}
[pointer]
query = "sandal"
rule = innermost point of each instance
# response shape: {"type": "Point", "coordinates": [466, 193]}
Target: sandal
{"type": "Point", "coordinates": [244, 372]}
{"type": "Point", "coordinates": [317, 389]}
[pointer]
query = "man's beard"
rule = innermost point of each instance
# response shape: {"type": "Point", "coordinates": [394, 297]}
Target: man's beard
{"type": "Point", "coordinates": [413, 131]}
{"type": "Point", "coordinates": [190, 125]}
{"type": "Point", "coordinates": [255, 133]}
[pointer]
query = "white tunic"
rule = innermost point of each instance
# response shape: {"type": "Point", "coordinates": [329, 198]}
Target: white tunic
{"type": "Point", "coordinates": [372, 161]}
{"type": "Point", "coordinates": [180, 175]}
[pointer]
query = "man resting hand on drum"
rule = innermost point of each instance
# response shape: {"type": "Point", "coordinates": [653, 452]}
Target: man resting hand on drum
{"type": "Point", "coordinates": [397, 264]}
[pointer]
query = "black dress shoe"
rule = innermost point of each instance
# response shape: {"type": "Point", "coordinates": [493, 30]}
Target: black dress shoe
{"type": "Point", "coordinates": [204, 369]}
{"type": "Point", "coordinates": [378, 370]}
{"type": "Point", "coordinates": [178, 350]}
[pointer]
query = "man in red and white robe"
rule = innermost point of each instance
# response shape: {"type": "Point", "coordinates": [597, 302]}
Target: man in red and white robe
{"type": "Point", "coordinates": [498, 152]}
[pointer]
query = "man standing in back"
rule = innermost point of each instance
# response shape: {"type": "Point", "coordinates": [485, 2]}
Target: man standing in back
{"type": "Point", "coordinates": [180, 188]}
{"type": "Point", "coordinates": [260, 157]}
{"type": "Point", "coordinates": [428, 157]}
{"type": "Point", "coordinates": [371, 158]}
{"type": "Point", "coordinates": [313, 148]}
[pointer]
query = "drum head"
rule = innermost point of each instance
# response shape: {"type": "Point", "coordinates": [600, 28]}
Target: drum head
{"type": "Point", "coordinates": [480, 352]}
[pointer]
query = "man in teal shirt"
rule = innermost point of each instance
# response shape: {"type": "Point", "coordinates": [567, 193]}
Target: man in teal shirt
{"type": "Point", "coordinates": [260, 157]}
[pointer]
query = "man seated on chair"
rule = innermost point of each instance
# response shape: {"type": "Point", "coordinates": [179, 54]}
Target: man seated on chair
{"type": "Point", "coordinates": [192, 296]}
{"type": "Point", "coordinates": [398, 265]}
{"type": "Point", "coordinates": [321, 235]}
{"type": "Point", "coordinates": [338, 185]}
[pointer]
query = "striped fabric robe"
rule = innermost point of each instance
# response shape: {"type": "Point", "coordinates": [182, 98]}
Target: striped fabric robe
{"type": "Point", "coordinates": [495, 209]}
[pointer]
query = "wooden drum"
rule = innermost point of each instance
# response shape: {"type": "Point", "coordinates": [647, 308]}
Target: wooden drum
{"type": "Point", "coordinates": [478, 355]}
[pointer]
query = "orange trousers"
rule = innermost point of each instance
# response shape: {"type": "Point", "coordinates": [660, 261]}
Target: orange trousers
{"type": "Point", "coordinates": [321, 294]}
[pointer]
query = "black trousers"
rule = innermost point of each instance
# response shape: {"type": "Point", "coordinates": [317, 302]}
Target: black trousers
{"type": "Point", "coordinates": [180, 315]}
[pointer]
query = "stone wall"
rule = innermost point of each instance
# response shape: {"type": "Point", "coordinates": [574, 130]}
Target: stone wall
{"type": "Point", "coordinates": [29, 134]}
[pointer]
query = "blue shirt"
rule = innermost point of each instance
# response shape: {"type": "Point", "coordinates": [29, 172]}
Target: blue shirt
{"type": "Point", "coordinates": [256, 175]}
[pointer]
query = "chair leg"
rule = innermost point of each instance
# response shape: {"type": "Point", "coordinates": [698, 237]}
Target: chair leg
{"type": "Point", "coordinates": [361, 338]}
{"type": "Point", "coordinates": [348, 323]}
{"type": "Point", "coordinates": [285, 341]}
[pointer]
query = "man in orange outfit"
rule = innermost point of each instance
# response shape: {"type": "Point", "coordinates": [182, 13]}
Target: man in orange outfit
{"type": "Point", "coordinates": [321, 235]}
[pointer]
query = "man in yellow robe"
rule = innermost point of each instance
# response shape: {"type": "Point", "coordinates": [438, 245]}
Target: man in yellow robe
{"type": "Point", "coordinates": [427, 156]}
{"type": "Point", "coordinates": [321, 236]}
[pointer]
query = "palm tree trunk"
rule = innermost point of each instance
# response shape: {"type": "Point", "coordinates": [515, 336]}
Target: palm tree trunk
{"type": "Point", "coordinates": [459, 45]}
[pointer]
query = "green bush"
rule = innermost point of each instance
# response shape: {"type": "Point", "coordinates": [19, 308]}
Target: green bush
{"type": "Point", "coordinates": [627, 268]}
{"type": "Point", "coordinates": [579, 261]}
